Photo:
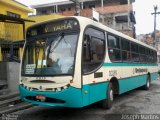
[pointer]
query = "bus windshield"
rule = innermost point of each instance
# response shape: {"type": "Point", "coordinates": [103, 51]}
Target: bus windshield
{"type": "Point", "coordinates": [51, 55]}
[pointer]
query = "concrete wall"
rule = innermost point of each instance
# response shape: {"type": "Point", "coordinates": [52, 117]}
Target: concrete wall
{"type": "Point", "coordinates": [3, 71]}
{"type": "Point", "coordinates": [13, 69]}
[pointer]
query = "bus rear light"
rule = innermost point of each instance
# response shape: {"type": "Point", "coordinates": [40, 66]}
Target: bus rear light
{"type": "Point", "coordinates": [40, 97]}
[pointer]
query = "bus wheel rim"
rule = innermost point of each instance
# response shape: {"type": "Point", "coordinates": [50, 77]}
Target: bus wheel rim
{"type": "Point", "coordinates": [111, 95]}
{"type": "Point", "coordinates": [148, 84]}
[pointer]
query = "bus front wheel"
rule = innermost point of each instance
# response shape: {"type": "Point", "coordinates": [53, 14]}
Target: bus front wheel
{"type": "Point", "coordinates": [107, 103]}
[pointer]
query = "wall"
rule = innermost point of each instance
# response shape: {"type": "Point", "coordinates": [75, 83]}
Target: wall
{"type": "Point", "coordinates": [3, 71]}
{"type": "Point", "coordinates": [9, 6]}
{"type": "Point", "coordinates": [9, 74]}
{"type": "Point", "coordinates": [13, 70]}
{"type": "Point", "coordinates": [41, 18]}
{"type": "Point", "coordinates": [11, 31]}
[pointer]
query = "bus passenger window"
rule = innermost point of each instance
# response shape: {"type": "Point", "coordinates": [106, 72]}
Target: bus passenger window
{"type": "Point", "coordinates": [86, 50]}
{"type": "Point", "coordinates": [114, 48]}
{"type": "Point", "coordinates": [126, 53]}
{"type": "Point", "coordinates": [93, 50]}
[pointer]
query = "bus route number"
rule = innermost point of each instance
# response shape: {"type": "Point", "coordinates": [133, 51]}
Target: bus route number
{"type": "Point", "coordinates": [112, 72]}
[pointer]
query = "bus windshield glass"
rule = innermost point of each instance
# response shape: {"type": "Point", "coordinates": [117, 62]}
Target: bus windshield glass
{"type": "Point", "coordinates": [50, 54]}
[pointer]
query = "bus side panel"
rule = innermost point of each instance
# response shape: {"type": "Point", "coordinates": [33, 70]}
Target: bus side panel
{"type": "Point", "coordinates": [98, 92]}
{"type": "Point", "coordinates": [154, 76]}
{"type": "Point", "coordinates": [72, 97]}
{"type": "Point", "coordinates": [85, 95]}
{"type": "Point", "coordinates": [131, 83]}
{"type": "Point", "coordinates": [128, 84]}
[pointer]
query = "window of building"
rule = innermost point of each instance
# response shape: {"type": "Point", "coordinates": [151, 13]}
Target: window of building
{"type": "Point", "coordinates": [69, 9]}
{"type": "Point", "coordinates": [63, 9]}
{"type": "Point", "coordinates": [11, 14]}
{"type": "Point", "coordinates": [91, 6]}
{"type": "Point", "coordinates": [44, 12]}
{"type": "Point", "coordinates": [93, 50]}
{"type": "Point", "coordinates": [123, 2]}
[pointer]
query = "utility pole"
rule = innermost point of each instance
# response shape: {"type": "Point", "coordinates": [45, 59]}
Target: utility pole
{"type": "Point", "coordinates": [102, 15]}
{"type": "Point", "coordinates": [155, 17]}
{"type": "Point", "coordinates": [129, 10]}
{"type": "Point", "coordinates": [102, 4]}
{"type": "Point", "coordinates": [78, 8]}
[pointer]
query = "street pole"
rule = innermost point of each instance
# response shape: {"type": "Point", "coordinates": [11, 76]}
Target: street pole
{"type": "Point", "coordinates": [129, 3]}
{"type": "Point", "coordinates": [78, 9]}
{"type": "Point", "coordinates": [155, 17]}
{"type": "Point", "coordinates": [102, 4]}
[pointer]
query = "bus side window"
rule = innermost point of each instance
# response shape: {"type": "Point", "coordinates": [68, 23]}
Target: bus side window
{"type": "Point", "coordinates": [114, 48]}
{"type": "Point", "coordinates": [93, 50]}
{"type": "Point", "coordinates": [86, 49]}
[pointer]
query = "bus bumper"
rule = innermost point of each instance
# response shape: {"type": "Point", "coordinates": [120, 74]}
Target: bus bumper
{"type": "Point", "coordinates": [71, 97]}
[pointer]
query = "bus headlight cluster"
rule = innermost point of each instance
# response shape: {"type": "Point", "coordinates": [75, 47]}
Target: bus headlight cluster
{"type": "Point", "coordinates": [47, 89]}
{"type": "Point", "coordinates": [58, 89]}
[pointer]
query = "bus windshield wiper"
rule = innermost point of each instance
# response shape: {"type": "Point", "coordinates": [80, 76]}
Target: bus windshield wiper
{"type": "Point", "coordinates": [58, 41]}
{"type": "Point", "coordinates": [55, 46]}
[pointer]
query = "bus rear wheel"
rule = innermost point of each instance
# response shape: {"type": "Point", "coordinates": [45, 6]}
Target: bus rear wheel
{"type": "Point", "coordinates": [107, 103]}
{"type": "Point", "coordinates": [147, 85]}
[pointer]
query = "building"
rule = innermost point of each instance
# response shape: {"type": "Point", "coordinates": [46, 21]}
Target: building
{"type": "Point", "coordinates": [158, 45]}
{"type": "Point", "coordinates": [117, 14]}
{"type": "Point", "coordinates": [12, 28]}
{"type": "Point", "coordinates": [41, 18]}
{"type": "Point", "coordinates": [148, 39]}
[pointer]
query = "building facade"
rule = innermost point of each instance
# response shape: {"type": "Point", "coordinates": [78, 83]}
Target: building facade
{"type": "Point", "coordinates": [117, 14]}
{"type": "Point", "coordinates": [148, 39]}
{"type": "Point", "coordinates": [12, 28]}
{"type": "Point", "coordinates": [158, 46]}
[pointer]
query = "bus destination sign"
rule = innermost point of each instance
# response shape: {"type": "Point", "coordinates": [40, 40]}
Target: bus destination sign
{"type": "Point", "coordinates": [54, 26]}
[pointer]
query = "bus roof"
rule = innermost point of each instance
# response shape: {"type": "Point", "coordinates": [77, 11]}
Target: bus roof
{"type": "Point", "coordinates": [85, 21]}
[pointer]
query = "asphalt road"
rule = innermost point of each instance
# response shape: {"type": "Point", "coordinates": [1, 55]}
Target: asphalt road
{"type": "Point", "coordinates": [134, 102]}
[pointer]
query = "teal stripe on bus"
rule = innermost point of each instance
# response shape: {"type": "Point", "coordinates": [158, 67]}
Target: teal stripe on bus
{"type": "Point", "coordinates": [127, 64]}
{"type": "Point", "coordinates": [90, 93]}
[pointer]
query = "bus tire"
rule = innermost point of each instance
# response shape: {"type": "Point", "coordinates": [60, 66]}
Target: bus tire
{"type": "Point", "coordinates": [107, 103]}
{"type": "Point", "coordinates": [147, 85]}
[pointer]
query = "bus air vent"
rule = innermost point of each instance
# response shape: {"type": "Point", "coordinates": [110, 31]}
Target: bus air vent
{"type": "Point", "coordinates": [48, 99]}
{"type": "Point", "coordinates": [42, 81]}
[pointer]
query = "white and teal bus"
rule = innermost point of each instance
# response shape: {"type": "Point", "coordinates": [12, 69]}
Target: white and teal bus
{"type": "Point", "coordinates": [75, 61]}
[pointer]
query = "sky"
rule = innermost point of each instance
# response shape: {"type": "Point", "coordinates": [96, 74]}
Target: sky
{"type": "Point", "coordinates": [142, 8]}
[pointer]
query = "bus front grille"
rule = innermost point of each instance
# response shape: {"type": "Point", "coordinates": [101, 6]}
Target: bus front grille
{"type": "Point", "coordinates": [48, 100]}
